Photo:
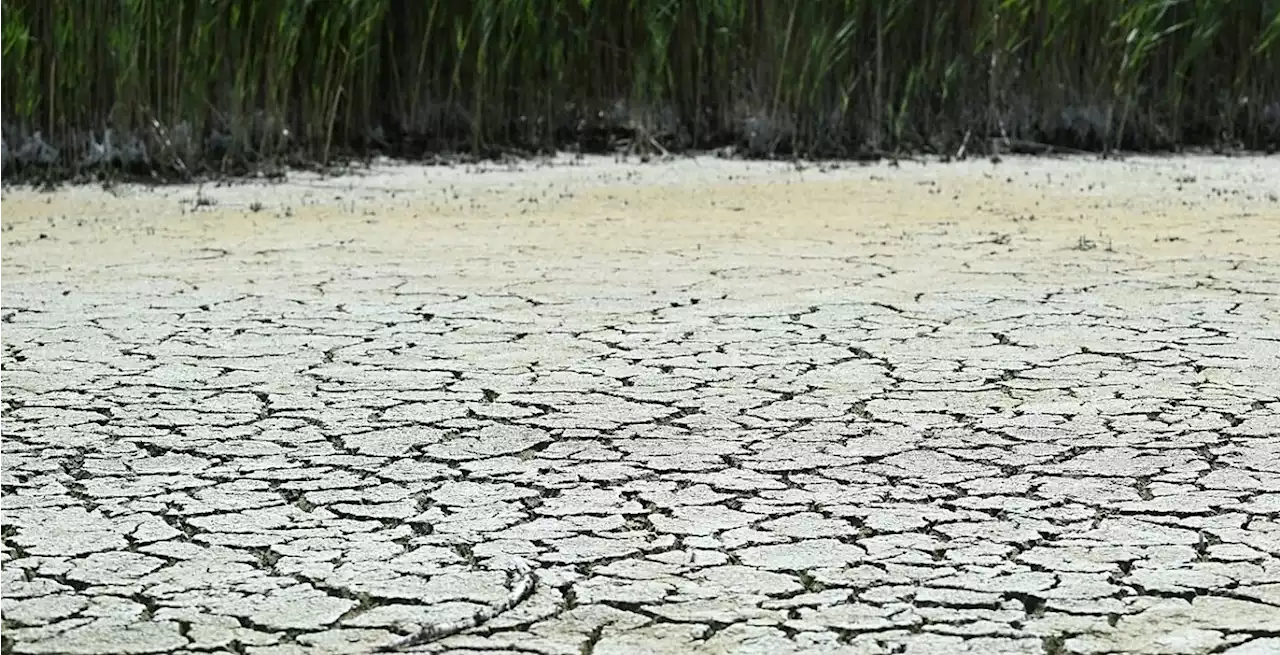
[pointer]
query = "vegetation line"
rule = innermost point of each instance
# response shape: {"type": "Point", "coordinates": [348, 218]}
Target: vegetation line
{"type": "Point", "coordinates": [180, 87]}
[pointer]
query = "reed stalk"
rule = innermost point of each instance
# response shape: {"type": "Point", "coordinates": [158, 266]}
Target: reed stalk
{"type": "Point", "coordinates": [179, 86]}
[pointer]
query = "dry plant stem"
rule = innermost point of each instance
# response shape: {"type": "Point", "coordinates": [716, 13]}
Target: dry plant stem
{"type": "Point", "coordinates": [522, 585]}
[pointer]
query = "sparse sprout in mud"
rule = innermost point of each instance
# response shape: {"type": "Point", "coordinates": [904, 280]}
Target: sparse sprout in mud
{"type": "Point", "coordinates": [1084, 244]}
{"type": "Point", "coordinates": [256, 206]}
{"type": "Point", "coordinates": [202, 200]}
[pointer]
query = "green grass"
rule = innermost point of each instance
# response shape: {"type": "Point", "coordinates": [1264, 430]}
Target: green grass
{"type": "Point", "coordinates": [186, 85]}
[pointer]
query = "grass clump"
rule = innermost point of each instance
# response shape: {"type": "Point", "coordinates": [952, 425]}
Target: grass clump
{"type": "Point", "coordinates": [181, 86]}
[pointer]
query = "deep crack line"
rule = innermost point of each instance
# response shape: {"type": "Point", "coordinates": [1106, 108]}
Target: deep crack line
{"type": "Point", "coordinates": [525, 580]}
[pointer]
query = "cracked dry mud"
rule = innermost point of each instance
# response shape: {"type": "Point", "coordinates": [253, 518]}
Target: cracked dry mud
{"type": "Point", "coordinates": [717, 407]}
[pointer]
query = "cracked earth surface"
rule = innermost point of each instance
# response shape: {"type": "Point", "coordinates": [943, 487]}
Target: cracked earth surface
{"type": "Point", "coordinates": [716, 407]}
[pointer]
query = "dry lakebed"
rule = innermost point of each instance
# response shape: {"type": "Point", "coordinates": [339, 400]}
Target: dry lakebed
{"type": "Point", "coordinates": [586, 406]}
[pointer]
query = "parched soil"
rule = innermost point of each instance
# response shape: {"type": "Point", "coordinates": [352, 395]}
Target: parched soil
{"type": "Point", "coordinates": [695, 407]}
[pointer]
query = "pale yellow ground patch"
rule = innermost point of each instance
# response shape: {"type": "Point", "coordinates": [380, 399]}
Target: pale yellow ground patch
{"type": "Point", "coordinates": [1137, 209]}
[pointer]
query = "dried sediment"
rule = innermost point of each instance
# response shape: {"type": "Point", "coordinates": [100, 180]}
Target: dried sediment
{"type": "Point", "coordinates": [716, 406]}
